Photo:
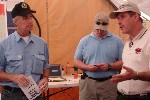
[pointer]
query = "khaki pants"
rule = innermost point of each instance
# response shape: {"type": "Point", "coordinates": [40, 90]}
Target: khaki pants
{"type": "Point", "coordinates": [93, 90]}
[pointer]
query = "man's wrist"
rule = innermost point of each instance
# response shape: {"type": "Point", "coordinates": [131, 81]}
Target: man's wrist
{"type": "Point", "coordinates": [109, 66]}
{"type": "Point", "coordinates": [44, 76]}
{"type": "Point", "coordinates": [137, 76]}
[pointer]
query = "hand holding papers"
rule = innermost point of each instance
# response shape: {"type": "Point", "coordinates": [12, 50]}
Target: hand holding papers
{"type": "Point", "coordinates": [32, 91]}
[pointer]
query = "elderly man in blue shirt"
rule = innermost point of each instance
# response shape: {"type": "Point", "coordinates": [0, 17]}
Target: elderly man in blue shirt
{"type": "Point", "coordinates": [99, 55]}
{"type": "Point", "coordinates": [23, 54]}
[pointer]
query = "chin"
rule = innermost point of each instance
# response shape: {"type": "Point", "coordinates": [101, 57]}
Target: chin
{"type": "Point", "coordinates": [30, 29]}
{"type": "Point", "coordinates": [124, 32]}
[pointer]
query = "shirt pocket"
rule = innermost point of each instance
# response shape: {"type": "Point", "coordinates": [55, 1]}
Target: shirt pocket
{"type": "Point", "coordinates": [14, 64]}
{"type": "Point", "coordinates": [38, 64]}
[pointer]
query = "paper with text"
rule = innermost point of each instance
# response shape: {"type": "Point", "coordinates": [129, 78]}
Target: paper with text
{"type": "Point", "coordinates": [32, 91]}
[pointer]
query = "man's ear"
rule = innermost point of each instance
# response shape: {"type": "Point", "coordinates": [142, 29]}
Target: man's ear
{"type": "Point", "coordinates": [137, 17]}
{"type": "Point", "coordinates": [14, 22]}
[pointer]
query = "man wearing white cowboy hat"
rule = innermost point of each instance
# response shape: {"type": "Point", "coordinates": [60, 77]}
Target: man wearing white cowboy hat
{"type": "Point", "coordinates": [134, 80]}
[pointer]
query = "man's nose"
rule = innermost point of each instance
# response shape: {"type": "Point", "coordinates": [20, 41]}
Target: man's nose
{"type": "Point", "coordinates": [119, 21]}
{"type": "Point", "coordinates": [30, 20]}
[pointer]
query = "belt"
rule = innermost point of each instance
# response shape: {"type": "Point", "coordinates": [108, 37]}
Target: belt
{"type": "Point", "coordinates": [12, 89]}
{"type": "Point", "coordinates": [100, 79]}
{"type": "Point", "coordinates": [136, 95]}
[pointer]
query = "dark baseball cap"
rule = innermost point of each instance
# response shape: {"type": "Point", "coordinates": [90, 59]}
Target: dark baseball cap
{"type": "Point", "coordinates": [21, 9]}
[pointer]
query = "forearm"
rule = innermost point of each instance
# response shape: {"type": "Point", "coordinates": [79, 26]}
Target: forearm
{"type": "Point", "coordinates": [144, 76]}
{"type": "Point", "coordinates": [117, 65]}
{"type": "Point", "coordinates": [6, 76]}
{"type": "Point", "coordinates": [79, 64]}
{"type": "Point", "coordinates": [46, 73]}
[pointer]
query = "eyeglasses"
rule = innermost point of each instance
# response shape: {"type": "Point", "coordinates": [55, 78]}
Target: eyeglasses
{"type": "Point", "coordinates": [130, 44]}
{"type": "Point", "coordinates": [103, 23]}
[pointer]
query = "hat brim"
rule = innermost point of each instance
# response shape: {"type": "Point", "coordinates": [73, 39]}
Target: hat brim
{"type": "Point", "coordinates": [32, 11]}
{"type": "Point", "coordinates": [113, 14]}
{"type": "Point", "coordinates": [100, 27]}
{"type": "Point", "coordinates": [27, 12]}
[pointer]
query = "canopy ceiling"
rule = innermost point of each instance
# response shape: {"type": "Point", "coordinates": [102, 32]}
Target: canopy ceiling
{"type": "Point", "coordinates": [144, 6]}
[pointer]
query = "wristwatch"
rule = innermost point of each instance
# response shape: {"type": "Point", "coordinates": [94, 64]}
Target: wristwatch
{"type": "Point", "coordinates": [45, 76]}
{"type": "Point", "coordinates": [137, 77]}
{"type": "Point", "coordinates": [109, 66]}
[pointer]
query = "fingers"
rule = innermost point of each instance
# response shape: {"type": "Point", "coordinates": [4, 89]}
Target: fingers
{"type": "Point", "coordinates": [116, 80]}
{"type": "Point", "coordinates": [24, 81]}
{"type": "Point", "coordinates": [21, 79]}
{"type": "Point", "coordinates": [44, 87]}
{"type": "Point", "coordinates": [127, 68]}
{"type": "Point", "coordinates": [130, 71]}
{"type": "Point", "coordinates": [103, 67]}
{"type": "Point", "coordinates": [99, 67]}
{"type": "Point", "coordinates": [92, 67]}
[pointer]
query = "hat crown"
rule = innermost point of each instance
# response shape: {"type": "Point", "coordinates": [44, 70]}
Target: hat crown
{"type": "Point", "coordinates": [103, 18]}
{"type": "Point", "coordinates": [24, 5]}
{"type": "Point", "coordinates": [128, 6]}
{"type": "Point", "coordinates": [21, 9]}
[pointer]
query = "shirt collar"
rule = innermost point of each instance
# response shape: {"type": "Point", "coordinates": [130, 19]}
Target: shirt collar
{"type": "Point", "coordinates": [140, 35]}
{"type": "Point", "coordinates": [18, 37]}
{"type": "Point", "coordinates": [108, 35]}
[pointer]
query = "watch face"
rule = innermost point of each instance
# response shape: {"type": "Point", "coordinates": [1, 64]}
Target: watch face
{"type": "Point", "coordinates": [109, 67]}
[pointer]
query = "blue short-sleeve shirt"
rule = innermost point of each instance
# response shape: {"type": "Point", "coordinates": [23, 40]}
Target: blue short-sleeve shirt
{"type": "Point", "coordinates": [94, 51]}
{"type": "Point", "coordinates": [20, 58]}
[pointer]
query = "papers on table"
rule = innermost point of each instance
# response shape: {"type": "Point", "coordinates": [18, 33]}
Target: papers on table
{"type": "Point", "coordinates": [57, 79]}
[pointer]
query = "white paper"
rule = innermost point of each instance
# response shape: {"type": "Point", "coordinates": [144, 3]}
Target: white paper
{"type": "Point", "coordinates": [12, 3]}
{"type": "Point", "coordinates": [32, 91]}
{"type": "Point", "coordinates": [3, 21]}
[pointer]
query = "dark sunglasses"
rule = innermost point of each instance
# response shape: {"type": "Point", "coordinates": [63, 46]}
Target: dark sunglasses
{"type": "Point", "coordinates": [103, 23]}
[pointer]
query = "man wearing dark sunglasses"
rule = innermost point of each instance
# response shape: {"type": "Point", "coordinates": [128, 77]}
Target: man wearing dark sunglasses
{"type": "Point", "coordinates": [99, 55]}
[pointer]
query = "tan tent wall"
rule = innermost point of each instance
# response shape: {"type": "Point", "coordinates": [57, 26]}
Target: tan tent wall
{"type": "Point", "coordinates": [65, 22]}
